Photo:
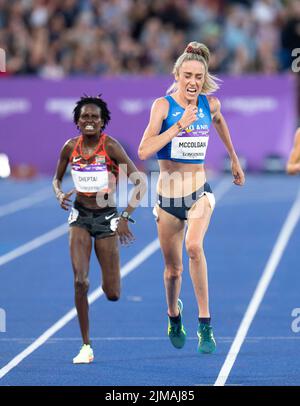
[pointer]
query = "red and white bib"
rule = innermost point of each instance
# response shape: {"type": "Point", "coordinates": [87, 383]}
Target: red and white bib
{"type": "Point", "coordinates": [93, 173]}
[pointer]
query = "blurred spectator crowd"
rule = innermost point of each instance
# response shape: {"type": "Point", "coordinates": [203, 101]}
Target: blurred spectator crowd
{"type": "Point", "coordinates": [55, 38]}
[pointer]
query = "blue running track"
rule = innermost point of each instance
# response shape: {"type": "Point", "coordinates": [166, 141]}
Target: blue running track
{"type": "Point", "coordinates": [129, 336]}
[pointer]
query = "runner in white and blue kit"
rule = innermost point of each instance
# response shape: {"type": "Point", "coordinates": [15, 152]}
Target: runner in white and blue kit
{"type": "Point", "coordinates": [178, 133]}
{"type": "Point", "coordinates": [188, 147]}
{"type": "Point", "coordinates": [191, 143]}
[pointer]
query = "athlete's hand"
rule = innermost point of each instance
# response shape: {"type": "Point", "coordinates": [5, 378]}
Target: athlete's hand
{"type": "Point", "coordinates": [64, 199]}
{"type": "Point", "coordinates": [237, 172]}
{"type": "Point", "coordinates": [293, 169]}
{"type": "Point", "coordinates": [125, 235]}
{"type": "Point", "coordinates": [189, 115]}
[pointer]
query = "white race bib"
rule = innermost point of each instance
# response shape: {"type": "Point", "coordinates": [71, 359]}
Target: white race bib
{"type": "Point", "coordinates": [189, 147]}
{"type": "Point", "coordinates": [90, 182]}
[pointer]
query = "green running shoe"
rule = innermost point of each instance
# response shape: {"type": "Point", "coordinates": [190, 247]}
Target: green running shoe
{"type": "Point", "coordinates": [176, 331]}
{"type": "Point", "coordinates": [207, 343]}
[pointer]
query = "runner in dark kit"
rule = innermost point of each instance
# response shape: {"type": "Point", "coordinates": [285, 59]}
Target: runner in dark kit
{"type": "Point", "coordinates": [95, 158]}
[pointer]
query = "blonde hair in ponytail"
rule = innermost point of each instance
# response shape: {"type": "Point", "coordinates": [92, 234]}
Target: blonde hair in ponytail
{"type": "Point", "coordinates": [195, 51]}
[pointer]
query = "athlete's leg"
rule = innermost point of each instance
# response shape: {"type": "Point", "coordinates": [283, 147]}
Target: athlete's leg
{"type": "Point", "coordinates": [80, 248]}
{"type": "Point", "coordinates": [198, 221]}
{"type": "Point", "coordinates": [171, 235]}
{"type": "Point", "coordinates": [107, 251]}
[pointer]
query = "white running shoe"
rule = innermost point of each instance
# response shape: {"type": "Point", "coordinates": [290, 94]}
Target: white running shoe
{"type": "Point", "coordinates": [85, 355]}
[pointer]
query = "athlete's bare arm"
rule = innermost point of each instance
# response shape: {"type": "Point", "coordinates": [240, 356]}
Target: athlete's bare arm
{"type": "Point", "coordinates": [150, 143]}
{"type": "Point", "coordinates": [117, 153]}
{"type": "Point", "coordinates": [223, 131]}
{"type": "Point", "coordinates": [63, 198]}
{"type": "Point", "coordinates": [293, 164]}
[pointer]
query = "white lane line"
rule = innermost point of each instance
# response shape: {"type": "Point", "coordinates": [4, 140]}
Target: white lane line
{"type": "Point", "coordinates": [57, 232]}
{"type": "Point", "coordinates": [220, 190]}
{"type": "Point", "coordinates": [26, 202]}
{"type": "Point", "coordinates": [222, 187]}
{"type": "Point", "coordinates": [46, 193]}
{"type": "Point", "coordinates": [129, 267]}
{"type": "Point", "coordinates": [33, 244]}
{"type": "Point", "coordinates": [262, 286]}
{"type": "Point", "coordinates": [259, 200]}
{"type": "Point", "coordinates": [54, 340]}
{"type": "Point", "coordinates": [30, 200]}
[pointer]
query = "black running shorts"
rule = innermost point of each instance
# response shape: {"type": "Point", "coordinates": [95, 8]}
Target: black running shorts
{"type": "Point", "coordinates": [100, 223]}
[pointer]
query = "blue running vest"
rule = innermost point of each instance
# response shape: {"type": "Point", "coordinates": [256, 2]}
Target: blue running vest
{"type": "Point", "coordinates": [190, 145]}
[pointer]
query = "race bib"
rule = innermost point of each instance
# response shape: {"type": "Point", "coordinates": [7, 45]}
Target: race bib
{"type": "Point", "coordinates": [189, 147]}
{"type": "Point", "coordinates": [90, 179]}
{"type": "Point", "coordinates": [73, 215]}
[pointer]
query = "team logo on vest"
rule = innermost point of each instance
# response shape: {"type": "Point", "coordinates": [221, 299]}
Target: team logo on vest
{"type": "Point", "coordinates": [201, 114]}
{"type": "Point", "coordinates": [100, 159]}
{"type": "Point", "coordinates": [76, 159]}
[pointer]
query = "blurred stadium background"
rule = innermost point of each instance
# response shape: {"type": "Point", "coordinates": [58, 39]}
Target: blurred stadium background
{"type": "Point", "coordinates": [125, 49]}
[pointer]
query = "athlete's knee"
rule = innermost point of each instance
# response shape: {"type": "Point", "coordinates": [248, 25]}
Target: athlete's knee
{"type": "Point", "coordinates": [114, 297]}
{"type": "Point", "coordinates": [81, 284]}
{"type": "Point", "coordinates": [173, 271]}
{"type": "Point", "coordinates": [112, 294]}
{"type": "Point", "coordinates": [194, 249]}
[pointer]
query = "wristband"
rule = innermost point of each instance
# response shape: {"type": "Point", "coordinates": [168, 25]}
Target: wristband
{"type": "Point", "coordinates": [179, 125]}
